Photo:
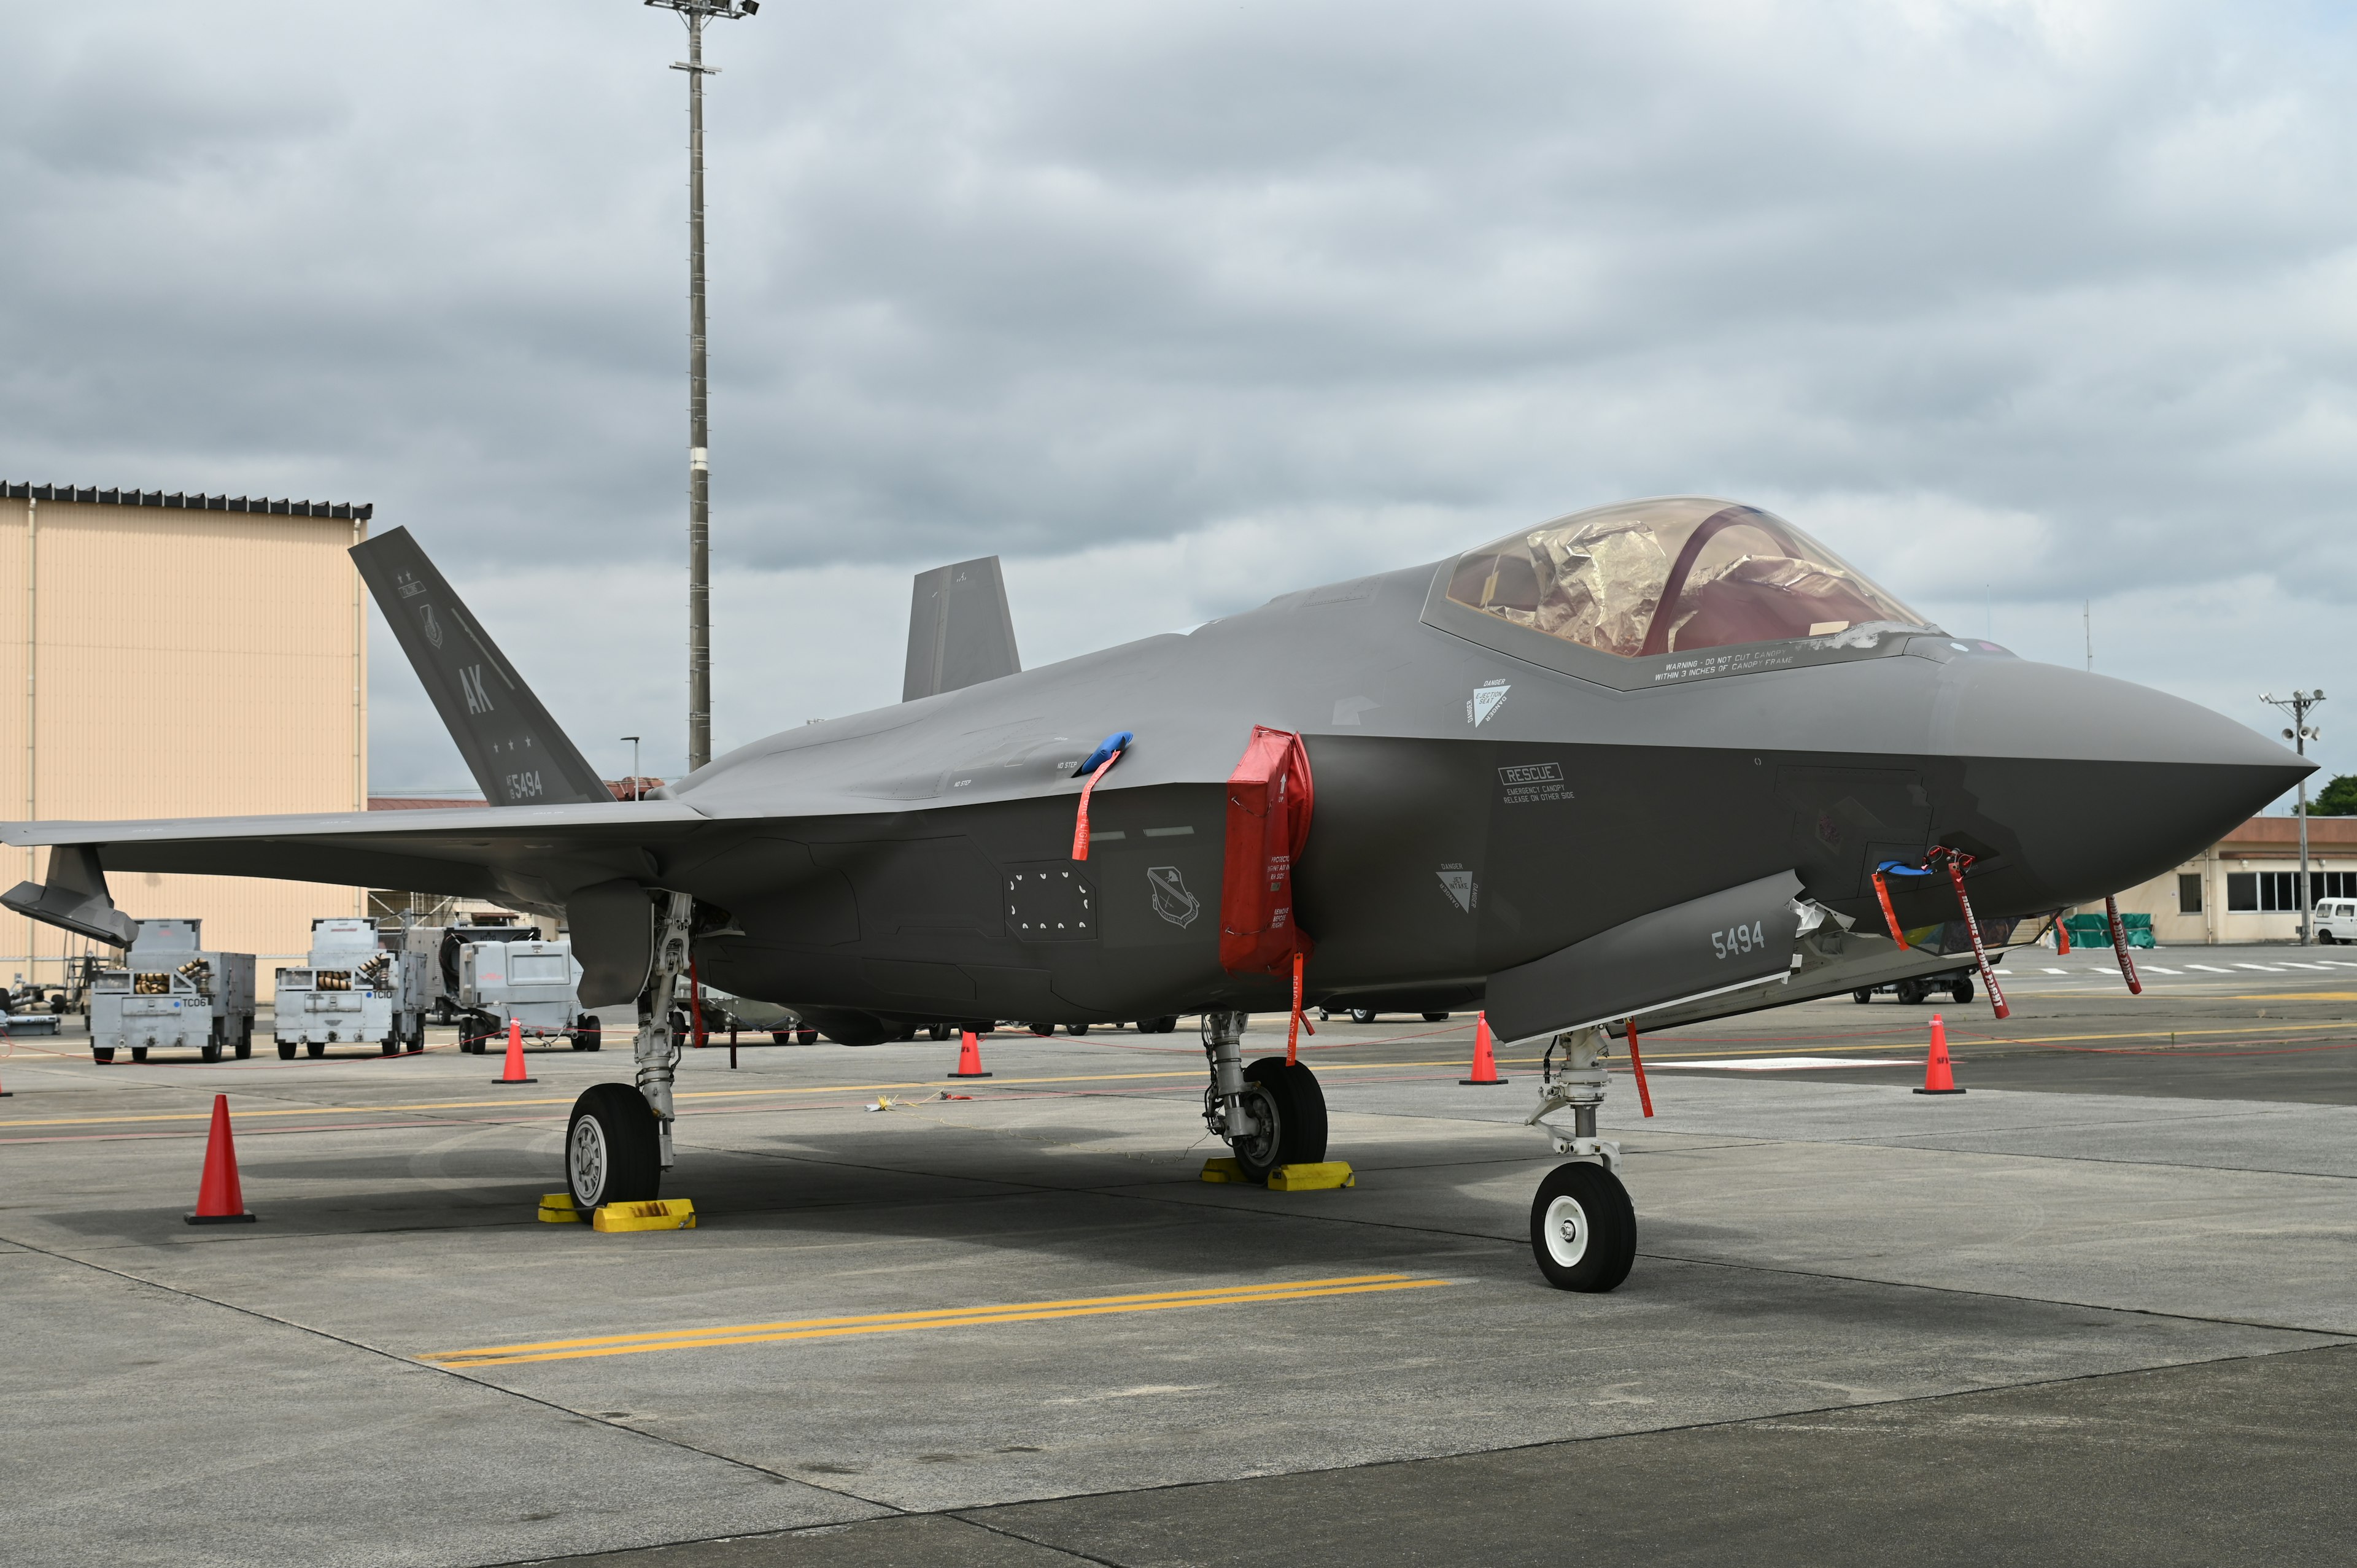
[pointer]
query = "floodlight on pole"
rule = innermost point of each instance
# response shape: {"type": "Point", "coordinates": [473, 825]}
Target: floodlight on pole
{"type": "Point", "coordinates": [2299, 732]}
{"type": "Point", "coordinates": [695, 12]}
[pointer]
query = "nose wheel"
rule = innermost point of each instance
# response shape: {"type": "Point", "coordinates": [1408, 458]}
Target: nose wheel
{"type": "Point", "coordinates": [1583, 1228]}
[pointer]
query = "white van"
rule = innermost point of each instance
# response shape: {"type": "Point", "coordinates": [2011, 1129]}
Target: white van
{"type": "Point", "coordinates": [2336, 919]}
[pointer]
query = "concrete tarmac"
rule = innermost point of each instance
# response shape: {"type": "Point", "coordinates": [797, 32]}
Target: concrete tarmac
{"type": "Point", "coordinates": [2094, 1310]}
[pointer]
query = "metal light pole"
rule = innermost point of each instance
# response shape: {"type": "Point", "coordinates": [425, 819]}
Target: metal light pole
{"type": "Point", "coordinates": [695, 12]}
{"type": "Point", "coordinates": [635, 787]}
{"type": "Point", "coordinates": [2301, 732]}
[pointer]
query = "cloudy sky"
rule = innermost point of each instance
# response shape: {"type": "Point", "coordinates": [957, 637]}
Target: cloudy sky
{"type": "Point", "coordinates": [2025, 305]}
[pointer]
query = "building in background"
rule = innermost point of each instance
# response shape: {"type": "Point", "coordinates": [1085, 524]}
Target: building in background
{"type": "Point", "coordinates": [178, 655]}
{"type": "Point", "coordinates": [2246, 888]}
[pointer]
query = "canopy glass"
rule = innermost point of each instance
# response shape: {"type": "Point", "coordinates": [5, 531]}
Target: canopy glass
{"type": "Point", "coordinates": [1669, 576]}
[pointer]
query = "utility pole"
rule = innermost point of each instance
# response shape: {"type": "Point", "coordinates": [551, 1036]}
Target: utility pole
{"type": "Point", "coordinates": [695, 12]}
{"type": "Point", "coordinates": [2087, 618]}
{"type": "Point", "coordinates": [2301, 732]}
{"type": "Point", "coordinates": [636, 790]}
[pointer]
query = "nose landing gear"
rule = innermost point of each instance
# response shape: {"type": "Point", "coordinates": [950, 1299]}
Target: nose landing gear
{"type": "Point", "coordinates": [1583, 1227]}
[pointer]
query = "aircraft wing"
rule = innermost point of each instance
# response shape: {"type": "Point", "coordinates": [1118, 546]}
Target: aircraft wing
{"type": "Point", "coordinates": [527, 854]}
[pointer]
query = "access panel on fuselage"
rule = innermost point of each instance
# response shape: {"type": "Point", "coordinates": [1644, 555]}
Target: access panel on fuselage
{"type": "Point", "coordinates": [1430, 859]}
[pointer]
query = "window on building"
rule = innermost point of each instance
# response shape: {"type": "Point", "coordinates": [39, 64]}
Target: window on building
{"type": "Point", "coordinates": [2278, 891]}
{"type": "Point", "coordinates": [2241, 891]}
{"type": "Point", "coordinates": [2188, 893]}
{"type": "Point", "coordinates": [2323, 885]}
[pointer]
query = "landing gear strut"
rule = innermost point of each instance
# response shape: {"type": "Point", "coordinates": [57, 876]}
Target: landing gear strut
{"type": "Point", "coordinates": [1583, 1227]}
{"type": "Point", "coordinates": [618, 1143]}
{"type": "Point", "coordinates": [1270, 1113]}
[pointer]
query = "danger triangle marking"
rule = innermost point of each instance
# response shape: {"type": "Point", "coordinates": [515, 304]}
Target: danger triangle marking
{"type": "Point", "coordinates": [1485, 703]}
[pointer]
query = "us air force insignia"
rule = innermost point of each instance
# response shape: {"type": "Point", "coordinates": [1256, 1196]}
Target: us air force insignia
{"type": "Point", "coordinates": [1487, 699]}
{"type": "Point", "coordinates": [1171, 899]}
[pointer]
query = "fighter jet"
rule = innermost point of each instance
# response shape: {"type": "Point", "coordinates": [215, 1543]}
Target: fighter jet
{"type": "Point", "coordinates": [1650, 763]}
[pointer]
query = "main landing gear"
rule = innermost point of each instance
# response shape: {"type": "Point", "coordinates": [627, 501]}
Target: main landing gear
{"type": "Point", "coordinates": [1583, 1227]}
{"type": "Point", "coordinates": [618, 1143]}
{"type": "Point", "coordinates": [1271, 1112]}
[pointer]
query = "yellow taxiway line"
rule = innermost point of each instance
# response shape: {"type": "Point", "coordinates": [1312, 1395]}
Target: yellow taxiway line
{"type": "Point", "coordinates": [252, 1113]}
{"type": "Point", "coordinates": [907, 1322]}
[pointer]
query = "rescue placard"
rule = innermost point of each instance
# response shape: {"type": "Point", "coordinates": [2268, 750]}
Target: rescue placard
{"type": "Point", "coordinates": [1269, 798]}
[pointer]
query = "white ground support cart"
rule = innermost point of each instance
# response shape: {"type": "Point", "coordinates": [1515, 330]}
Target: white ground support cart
{"type": "Point", "coordinates": [360, 986]}
{"type": "Point", "coordinates": [172, 994]}
{"type": "Point", "coordinates": [529, 983]}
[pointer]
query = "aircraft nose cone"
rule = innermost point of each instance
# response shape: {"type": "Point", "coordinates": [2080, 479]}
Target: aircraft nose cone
{"type": "Point", "coordinates": [2086, 785]}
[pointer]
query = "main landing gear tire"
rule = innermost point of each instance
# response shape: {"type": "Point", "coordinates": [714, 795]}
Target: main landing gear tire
{"type": "Point", "coordinates": [1289, 1110]}
{"type": "Point", "coordinates": [612, 1148]}
{"type": "Point", "coordinates": [1583, 1228]}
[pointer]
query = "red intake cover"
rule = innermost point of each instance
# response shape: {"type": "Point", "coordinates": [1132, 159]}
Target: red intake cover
{"type": "Point", "coordinates": [1269, 797]}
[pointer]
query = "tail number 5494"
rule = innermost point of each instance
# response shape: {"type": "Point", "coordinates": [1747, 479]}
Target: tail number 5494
{"type": "Point", "coordinates": [1740, 938]}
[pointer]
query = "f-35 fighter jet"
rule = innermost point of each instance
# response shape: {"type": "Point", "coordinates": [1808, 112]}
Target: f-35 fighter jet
{"type": "Point", "coordinates": [1658, 761]}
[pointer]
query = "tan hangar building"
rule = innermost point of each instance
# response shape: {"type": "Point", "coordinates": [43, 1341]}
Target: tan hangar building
{"type": "Point", "coordinates": [178, 655]}
{"type": "Point", "coordinates": [2246, 888]}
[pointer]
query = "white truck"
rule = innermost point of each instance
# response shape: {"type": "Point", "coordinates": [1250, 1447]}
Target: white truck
{"type": "Point", "coordinates": [360, 985]}
{"type": "Point", "coordinates": [173, 994]}
{"type": "Point", "coordinates": [531, 984]}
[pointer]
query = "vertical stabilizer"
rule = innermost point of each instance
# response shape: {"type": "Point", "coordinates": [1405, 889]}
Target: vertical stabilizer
{"type": "Point", "coordinates": [960, 634]}
{"type": "Point", "coordinates": [515, 751]}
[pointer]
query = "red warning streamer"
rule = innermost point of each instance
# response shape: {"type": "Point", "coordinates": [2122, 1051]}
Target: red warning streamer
{"type": "Point", "coordinates": [1636, 1066]}
{"type": "Point", "coordinates": [1956, 863]}
{"type": "Point", "coordinates": [2120, 946]}
{"type": "Point", "coordinates": [1882, 891]}
{"type": "Point", "coordinates": [1294, 1030]}
{"type": "Point", "coordinates": [1080, 826]}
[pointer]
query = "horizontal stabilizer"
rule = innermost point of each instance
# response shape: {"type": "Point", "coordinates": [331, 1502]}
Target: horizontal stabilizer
{"type": "Point", "coordinates": [74, 898]}
{"type": "Point", "coordinates": [516, 752]}
{"type": "Point", "coordinates": [960, 633]}
{"type": "Point", "coordinates": [1737, 937]}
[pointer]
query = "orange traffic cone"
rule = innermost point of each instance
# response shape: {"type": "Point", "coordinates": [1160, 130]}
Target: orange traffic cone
{"type": "Point", "coordinates": [514, 1073]}
{"type": "Point", "coordinates": [1937, 1078]}
{"type": "Point", "coordinates": [969, 1057]}
{"type": "Point", "coordinates": [1485, 1063]}
{"type": "Point", "coordinates": [220, 1200]}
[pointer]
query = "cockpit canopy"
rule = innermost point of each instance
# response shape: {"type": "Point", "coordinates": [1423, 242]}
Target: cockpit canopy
{"type": "Point", "coordinates": [1673, 574]}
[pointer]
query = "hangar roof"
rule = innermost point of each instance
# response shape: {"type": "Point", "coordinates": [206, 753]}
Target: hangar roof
{"type": "Point", "coordinates": [89, 496]}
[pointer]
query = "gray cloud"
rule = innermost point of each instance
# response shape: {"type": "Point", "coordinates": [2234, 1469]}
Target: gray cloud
{"type": "Point", "coordinates": [2018, 304]}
